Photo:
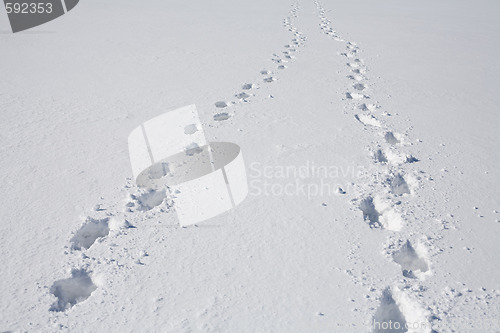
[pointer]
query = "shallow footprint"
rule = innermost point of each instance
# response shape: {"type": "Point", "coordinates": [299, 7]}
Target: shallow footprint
{"type": "Point", "coordinates": [242, 95]}
{"type": "Point", "coordinates": [221, 104]}
{"type": "Point", "coordinates": [359, 86]}
{"type": "Point", "coordinates": [222, 116]}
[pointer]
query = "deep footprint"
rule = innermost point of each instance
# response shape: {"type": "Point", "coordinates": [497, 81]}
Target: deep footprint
{"type": "Point", "coordinates": [370, 214]}
{"type": "Point", "coordinates": [379, 156]}
{"type": "Point", "coordinates": [399, 185]}
{"type": "Point", "coordinates": [71, 291]}
{"type": "Point", "coordinates": [388, 315]}
{"type": "Point", "coordinates": [409, 261]}
{"type": "Point", "coordinates": [89, 233]}
{"type": "Point", "coordinates": [390, 138]}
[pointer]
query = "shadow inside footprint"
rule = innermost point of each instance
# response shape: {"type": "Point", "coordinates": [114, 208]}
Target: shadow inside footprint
{"type": "Point", "coordinates": [221, 104]}
{"type": "Point", "coordinates": [370, 214]}
{"type": "Point", "coordinates": [399, 185]}
{"type": "Point", "coordinates": [389, 317]}
{"type": "Point", "coordinates": [390, 138]}
{"type": "Point", "coordinates": [222, 116]}
{"type": "Point", "coordinates": [359, 86]}
{"type": "Point", "coordinates": [409, 261]}
{"type": "Point", "coordinates": [89, 233]}
{"type": "Point", "coordinates": [152, 198]}
{"type": "Point", "coordinates": [379, 156]}
{"type": "Point", "coordinates": [71, 291]}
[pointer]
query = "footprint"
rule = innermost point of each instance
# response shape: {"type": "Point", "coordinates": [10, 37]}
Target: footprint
{"type": "Point", "coordinates": [359, 86]}
{"type": "Point", "coordinates": [89, 233]}
{"type": "Point", "coordinates": [149, 199]}
{"type": "Point", "coordinates": [395, 158]}
{"type": "Point", "coordinates": [222, 116]}
{"type": "Point", "coordinates": [247, 86]}
{"type": "Point", "coordinates": [411, 264]}
{"type": "Point", "coordinates": [71, 291]}
{"type": "Point", "coordinates": [359, 71]}
{"type": "Point", "coordinates": [190, 129]}
{"type": "Point", "coordinates": [355, 77]}
{"type": "Point", "coordinates": [411, 159]}
{"type": "Point", "coordinates": [379, 156]}
{"type": "Point", "coordinates": [370, 214]}
{"type": "Point", "coordinates": [354, 95]}
{"type": "Point", "coordinates": [265, 72]}
{"type": "Point", "coordinates": [368, 107]}
{"type": "Point", "coordinates": [269, 79]}
{"type": "Point", "coordinates": [190, 150]}
{"type": "Point", "coordinates": [242, 95]}
{"type": "Point", "coordinates": [379, 213]}
{"type": "Point", "coordinates": [353, 64]}
{"type": "Point", "coordinates": [281, 67]}
{"type": "Point", "coordinates": [391, 138]}
{"type": "Point", "coordinates": [389, 315]}
{"type": "Point", "coordinates": [368, 120]}
{"type": "Point", "coordinates": [221, 104]}
{"type": "Point", "coordinates": [398, 185]}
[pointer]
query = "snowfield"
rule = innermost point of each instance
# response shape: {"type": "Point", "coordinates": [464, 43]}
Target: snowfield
{"type": "Point", "coordinates": [370, 135]}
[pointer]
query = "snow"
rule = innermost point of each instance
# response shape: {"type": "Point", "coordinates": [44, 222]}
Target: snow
{"type": "Point", "coordinates": [369, 131]}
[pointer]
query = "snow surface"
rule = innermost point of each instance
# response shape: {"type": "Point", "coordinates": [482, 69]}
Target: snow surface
{"type": "Point", "coordinates": [369, 129]}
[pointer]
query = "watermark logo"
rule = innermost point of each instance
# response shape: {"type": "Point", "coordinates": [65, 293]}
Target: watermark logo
{"type": "Point", "coordinates": [307, 179]}
{"type": "Point", "coordinates": [26, 14]}
{"type": "Point", "coordinates": [204, 178]}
